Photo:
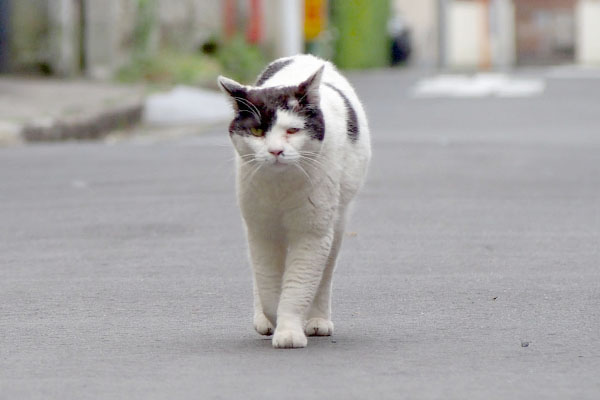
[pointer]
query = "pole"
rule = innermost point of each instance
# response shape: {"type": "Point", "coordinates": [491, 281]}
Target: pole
{"type": "Point", "coordinates": [229, 17]}
{"type": "Point", "coordinates": [290, 28]}
{"type": "Point", "coordinates": [254, 32]}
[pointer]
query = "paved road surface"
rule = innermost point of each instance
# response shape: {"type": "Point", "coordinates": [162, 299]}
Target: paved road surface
{"type": "Point", "coordinates": [471, 268]}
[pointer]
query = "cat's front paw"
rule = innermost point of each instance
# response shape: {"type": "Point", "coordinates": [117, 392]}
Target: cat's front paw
{"type": "Point", "coordinates": [318, 327]}
{"type": "Point", "coordinates": [262, 325]}
{"type": "Point", "coordinates": [289, 339]}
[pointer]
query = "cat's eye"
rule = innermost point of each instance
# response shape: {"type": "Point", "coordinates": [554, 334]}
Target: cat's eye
{"type": "Point", "coordinates": [293, 130]}
{"type": "Point", "coordinates": [257, 132]}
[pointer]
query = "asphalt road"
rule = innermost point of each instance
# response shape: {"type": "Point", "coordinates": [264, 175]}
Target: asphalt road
{"type": "Point", "coordinates": [471, 269]}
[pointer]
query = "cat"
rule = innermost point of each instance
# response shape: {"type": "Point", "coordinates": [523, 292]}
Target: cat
{"type": "Point", "coordinates": [302, 146]}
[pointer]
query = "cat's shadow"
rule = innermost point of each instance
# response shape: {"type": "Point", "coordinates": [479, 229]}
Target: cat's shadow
{"type": "Point", "coordinates": [251, 343]}
{"type": "Point", "coordinates": [315, 343]}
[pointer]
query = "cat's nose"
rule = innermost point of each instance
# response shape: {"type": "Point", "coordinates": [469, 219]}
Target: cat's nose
{"type": "Point", "coordinates": [276, 152]}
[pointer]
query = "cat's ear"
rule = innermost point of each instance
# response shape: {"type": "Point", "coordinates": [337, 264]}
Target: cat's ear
{"type": "Point", "coordinates": [309, 89]}
{"type": "Point", "coordinates": [233, 89]}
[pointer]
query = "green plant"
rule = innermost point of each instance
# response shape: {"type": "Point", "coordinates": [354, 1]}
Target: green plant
{"type": "Point", "coordinates": [240, 60]}
{"type": "Point", "coordinates": [144, 25]}
{"type": "Point", "coordinates": [168, 68]}
{"type": "Point", "coordinates": [234, 58]}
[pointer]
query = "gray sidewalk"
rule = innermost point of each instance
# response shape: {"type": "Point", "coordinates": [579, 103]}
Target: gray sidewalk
{"type": "Point", "coordinates": [51, 109]}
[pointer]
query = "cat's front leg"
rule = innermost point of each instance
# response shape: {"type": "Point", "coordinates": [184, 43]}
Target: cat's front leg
{"type": "Point", "coordinates": [262, 324]}
{"type": "Point", "coordinates": [267, 256]}
{"type": "Point", "coordinates": [305, 262]}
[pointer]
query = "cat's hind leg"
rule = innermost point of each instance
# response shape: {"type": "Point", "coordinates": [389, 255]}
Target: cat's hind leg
{"type": "Point", "coordinates": [319, 316]}
{"type": "Point", "coordinates": [262, 324]}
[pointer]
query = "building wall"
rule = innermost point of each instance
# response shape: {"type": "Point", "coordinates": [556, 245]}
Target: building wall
{"type": "Point", "coordinates": [185, 24]}
{"type": "Point", "coordinates": [29, 34]}
{"type": "Point", "coordinates": [48, 34]}
{"type": "Point", "coordinates": [545, 31]}
{"type": "Point", "coordinates": [588, 32]}
{"type": "Point", "coordinates": [466, 35]}
{"type": "Point", "coordinates": [422, 18]}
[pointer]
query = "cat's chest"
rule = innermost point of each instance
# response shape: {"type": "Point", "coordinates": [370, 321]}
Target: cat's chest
{"type": "Point", "coordinates": [272, 197]}
{"type": "Point", "coordinates": [274, 205]}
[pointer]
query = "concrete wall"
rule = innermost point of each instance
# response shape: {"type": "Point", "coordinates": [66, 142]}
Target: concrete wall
{"type": "Point", "coordinates": [184, 24]}
{"type": "Point", "coordinates": [29, 36]}
{"type": "Point", "coordinates": [109, 29]}
{"type": "Point", "coordinates": [64, 36]}
{"type": "Point", "coordinates": [588, 32]}
{"type": "Point", "coordinates": [48, 33]}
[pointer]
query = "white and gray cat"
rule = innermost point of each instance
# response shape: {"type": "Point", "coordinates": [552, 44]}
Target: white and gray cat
{"type": "Point", "coordinates": [303, 148]}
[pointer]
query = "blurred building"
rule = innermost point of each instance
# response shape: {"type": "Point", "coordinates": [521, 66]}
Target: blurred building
{"type": "Point", "coordinates": [96, 37]}
{"type": "Point", "coordinates": [502, 33]}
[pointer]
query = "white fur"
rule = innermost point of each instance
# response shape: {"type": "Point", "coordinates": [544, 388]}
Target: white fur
{"type": "Point", "coordinates": [294, 206]}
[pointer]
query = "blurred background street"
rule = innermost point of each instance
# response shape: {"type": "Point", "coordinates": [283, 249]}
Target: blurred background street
{"type": "Point", "coordinates": [470, 268]}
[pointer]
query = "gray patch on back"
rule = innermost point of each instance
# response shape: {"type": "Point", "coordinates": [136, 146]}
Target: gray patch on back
{"type": "Point", "coordinates": [351, 119]}
{"type": "Point", "coordinates": [271, 70]}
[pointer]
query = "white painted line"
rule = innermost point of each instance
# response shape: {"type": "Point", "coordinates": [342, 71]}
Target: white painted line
{"type": "Point", "coordinates": [479, 85]}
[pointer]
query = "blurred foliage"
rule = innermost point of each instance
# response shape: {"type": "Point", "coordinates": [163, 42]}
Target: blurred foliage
{"type": "Point", "coordinates": [145, 23]}
{"type": "Point", "coordinates": [240, 60]}
{"type": "Point", "coordinates": [168, 68]}
{"type": "Point", "coordinates": [234, 58]}
{"type": "Point", "coordinates": [362, 37]}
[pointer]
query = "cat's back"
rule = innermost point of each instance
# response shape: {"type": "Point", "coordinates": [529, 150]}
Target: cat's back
{"type": "Point", "coordinates": [292, 70]}
{"type": "Point", "coordinates": [289, 71]}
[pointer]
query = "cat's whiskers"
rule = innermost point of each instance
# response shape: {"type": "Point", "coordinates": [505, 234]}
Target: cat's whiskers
{"type": "Point", "coordinates": [247, 103]}
{"type": "Point", "coordinates": [245, 159]}
{"type": "Point", "coordinates": [254, 172]}
{"type": "Point", "coordinates": [318, 166]}
{"type": "Point", "coordinates": [311, 153]}
{"type": "Point", "coordinates": [302, 98]}
{"type": "Point", "coordinates": [251, 113]}
{"type": "Point", "coordinates": [313, 160]}
{"type": "Point", "coordinates": [305, 173]}
{"type": "Point", "coordinates": [319, 169]}
{"type": "Point", "coordinates": [246, 156]}
{"type": "Point", "coordinates": [249, 162]}
{"type": "Point", "coordinates": [253, 109]}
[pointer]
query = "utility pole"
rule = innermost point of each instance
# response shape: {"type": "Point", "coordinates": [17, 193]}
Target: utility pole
{"type": "Point", "coordinates": [285, 26]}
{"type": "Point", "coordinates": [442, 15]}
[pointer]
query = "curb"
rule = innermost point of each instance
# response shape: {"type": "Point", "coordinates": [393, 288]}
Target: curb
{"type": "Point", "coordinates": [93, 126]}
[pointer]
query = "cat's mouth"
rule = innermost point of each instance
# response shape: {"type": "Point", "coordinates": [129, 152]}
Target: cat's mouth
{"type": "Point", "coordinates": [280, 162]}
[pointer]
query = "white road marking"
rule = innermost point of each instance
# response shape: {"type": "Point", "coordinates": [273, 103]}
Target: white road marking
{"type": "Point", "coordinates": [478, 85]}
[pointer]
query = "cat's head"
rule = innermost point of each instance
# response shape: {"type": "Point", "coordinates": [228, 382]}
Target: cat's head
{"type": "Point", "coordinates": [276, 125]}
